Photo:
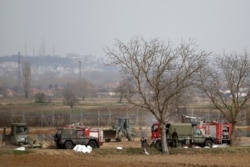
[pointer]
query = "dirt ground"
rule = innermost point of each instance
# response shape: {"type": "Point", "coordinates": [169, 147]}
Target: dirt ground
{"type": "Point", "coordinates": [69, 158]}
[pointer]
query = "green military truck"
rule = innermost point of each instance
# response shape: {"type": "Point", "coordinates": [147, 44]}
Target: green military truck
{"type": "Point", "coordinates": [188, 135]}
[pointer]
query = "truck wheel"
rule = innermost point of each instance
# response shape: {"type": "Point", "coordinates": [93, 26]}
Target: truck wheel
{"type": "Point", "coordinates": [58, 146]}
{"type": "Point", "coordinates": [208, 143]}
{"type": "Point", "coordinates": [68, 145]}
{"type": "Point", "coordinates": [180, 143]}
{"type": "Point", "coordinates": [107, 140]}
{"type": "Point", "coordinates": [118, 139]}
{"type": "Point", "coordinates": [93, 144]}
{"type": "Point", "coordinates": [152, 145]}
{"type": "Point", "coordinates": [158, 145]}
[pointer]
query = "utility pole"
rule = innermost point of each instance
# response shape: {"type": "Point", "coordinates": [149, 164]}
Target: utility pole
{"type": "Point", "coordinates": [80, 79]}
{"type": "Point", "coordinates": [19, 74]}
{"type": "Point", "coordinates": [80, 71]}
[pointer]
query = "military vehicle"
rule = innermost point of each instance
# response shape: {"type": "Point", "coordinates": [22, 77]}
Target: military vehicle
{"type": "Point", "coordinates": [19, 135]}
{"type": "Point", "coordinates": [70, 137]}
{"type": "Point", "coordinates": [122, 129]}
{"type": "Point", "coordinates": [188, 135]}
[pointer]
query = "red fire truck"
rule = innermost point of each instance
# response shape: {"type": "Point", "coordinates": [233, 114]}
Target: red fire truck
{"type": "Point", "coordinates": [220, 131]}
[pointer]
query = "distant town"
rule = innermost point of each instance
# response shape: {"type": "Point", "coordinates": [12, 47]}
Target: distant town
{"type": "Point", "coordinates": [55, 71]}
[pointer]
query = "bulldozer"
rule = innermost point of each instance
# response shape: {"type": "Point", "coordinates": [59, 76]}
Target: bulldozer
{"type": "Point", "coordinates": [121, 129]}
{"type": "Point", "coordinates": [19, 136]}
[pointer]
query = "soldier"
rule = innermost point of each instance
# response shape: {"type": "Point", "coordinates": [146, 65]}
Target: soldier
{"type": "Point", "coordinates": [175, 138]}
{"type": "Point", "coordinates": [144, 142]}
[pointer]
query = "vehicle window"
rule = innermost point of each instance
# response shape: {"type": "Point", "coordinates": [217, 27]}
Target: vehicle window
{"type": "Point", "coordinates": [25, 130]}
{"type": "Point", "coordinates": [80, 134]}
{"type": "Point", "coordinates": [154, 128]}
{"type": "Point", "coordinates": [58, 133]}
{"type": "Point", "coordinates": [197, 132]}
{"type": "Point", "coordinates": [21, 130]}
{"type": "Point", "coordinates": [68, 132]}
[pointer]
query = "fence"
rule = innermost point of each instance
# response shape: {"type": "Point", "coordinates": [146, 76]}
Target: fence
{"type": "Point", "coordinates": [62, 118]}
{"type": "Point", "coordinates": [101, 118]}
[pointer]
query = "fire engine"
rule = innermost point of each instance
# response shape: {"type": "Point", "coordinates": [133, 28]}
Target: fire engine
{"type": "Point", "coordinates": [220, 131]}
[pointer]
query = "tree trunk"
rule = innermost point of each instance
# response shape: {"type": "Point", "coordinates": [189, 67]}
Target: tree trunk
{"type": "Point", "coordinates": [232, 135]}
{"type": "Point", "coordinates": [120, 99]}
{"type": "Point", "coordinates": [164, 143]}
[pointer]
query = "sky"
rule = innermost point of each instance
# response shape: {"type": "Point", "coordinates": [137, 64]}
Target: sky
{"type": "Point", "coordinates": [86, 27]}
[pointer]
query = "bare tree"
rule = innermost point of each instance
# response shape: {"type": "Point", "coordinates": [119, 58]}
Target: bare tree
{"type": "Point", "coordinates": [69, 94]}
{"type": "Point", "coordinates": [125, 88]}
{"type": "Point", "coordinates": [159, 74]}
{"type": "Point", "coordinates": [227, 85]}
{"type": "Point", "coordinates": [26, 78]}
{"type": "Point", "coordinates": [83, 87]}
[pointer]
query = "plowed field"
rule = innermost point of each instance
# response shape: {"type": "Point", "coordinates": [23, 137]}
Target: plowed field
{"type": "Point", "coordinates": [69, 158]}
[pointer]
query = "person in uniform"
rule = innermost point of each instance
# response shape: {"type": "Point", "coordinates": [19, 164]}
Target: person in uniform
{"type": "Point", "coordinates": [175, 138]}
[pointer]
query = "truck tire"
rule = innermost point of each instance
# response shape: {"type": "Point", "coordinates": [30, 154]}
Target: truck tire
{"type": "Point", "coordinates": [68, 145]}
{"type": "Point", "coordinates": [152, 145]}
{"type": "Point", "coordinates": [181, 143]}
{"type": "Point", "coordinates": [158, 145]}
{"type": "Point", "coordinates": [93, 144]}
{"type": "Point", "coordinates": [118, 139]}
{"type": "Point", "coordinates": [58, 146]}
{"type": "Point", "coordinates": [208, 143]}
{"type": "Point", "coordinates": [107, 140]}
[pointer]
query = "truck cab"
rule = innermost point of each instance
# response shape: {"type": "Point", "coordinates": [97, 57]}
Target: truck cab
{"type": "Point", "coordinates": [18, 135]}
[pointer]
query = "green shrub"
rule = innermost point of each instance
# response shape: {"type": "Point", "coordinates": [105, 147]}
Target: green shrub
{"type": "Point", "coordinates": [40, 97]}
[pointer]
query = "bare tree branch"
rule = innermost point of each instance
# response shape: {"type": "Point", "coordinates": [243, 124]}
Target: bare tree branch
{"type": "Point", "coordinates": [227, 85]}
{"type": "Point", "coordinates": [160, 74]}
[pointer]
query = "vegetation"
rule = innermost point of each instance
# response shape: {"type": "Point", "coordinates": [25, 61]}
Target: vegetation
{"type": "Point", "coordinates": [226, 84]}
{"type": "Point", "coordinates": [40, 97]}
{"type": "Point", "coordinates": [15, 152]}
{"type": "Point", "coordinates": [159, 75]}
{"type": "Point", "coordinates": [69, 94]}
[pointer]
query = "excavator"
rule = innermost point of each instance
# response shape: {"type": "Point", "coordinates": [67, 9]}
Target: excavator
{"type": "Point", "coordinates": [121, 129]}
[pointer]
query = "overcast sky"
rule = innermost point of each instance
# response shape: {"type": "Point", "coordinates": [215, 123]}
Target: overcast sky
{"type": "Point", "coordinates": [87, 26]}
